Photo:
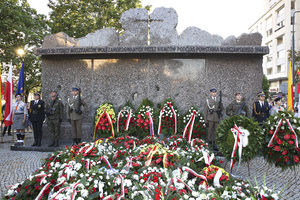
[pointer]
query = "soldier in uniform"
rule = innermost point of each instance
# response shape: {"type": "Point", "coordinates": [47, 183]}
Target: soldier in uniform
{"type": "Point", "coordinates": [274, 110]}
{"type": "Point", "coordinates": [212, 116]}
{"type": "Point", "coordinates": [234, 107]}
{"type": "Point", "coordinates": [19, 119]}
{"type": "Point", "coordinates": [37, 117]}
{"type": "Point", "coordinates": [261, 108]}
{"type": "Point", "coordinates": [75, 106]}
{"type": "Point", "coordinates": [55, 114]}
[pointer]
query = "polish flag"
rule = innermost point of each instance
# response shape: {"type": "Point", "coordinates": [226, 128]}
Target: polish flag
{"type": "Point", "coordinates": [9, 90]}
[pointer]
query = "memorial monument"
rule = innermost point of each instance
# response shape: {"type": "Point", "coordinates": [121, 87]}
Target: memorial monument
{"type": "Point", "coordinates": [149, 60]}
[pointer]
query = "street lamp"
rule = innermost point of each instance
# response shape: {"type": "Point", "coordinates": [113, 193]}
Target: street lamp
{"type": "Point", "coordinates": [293, 45]}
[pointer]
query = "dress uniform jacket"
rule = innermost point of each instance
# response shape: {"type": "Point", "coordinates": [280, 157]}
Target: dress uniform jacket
{"type": "Point", "coordinates": [211, 110]}
{"type": "Point", "coordinates": [37, 111]}
{"type": "Point", "coordinates": [260, 113]}
{"type": "Point", "coordinates": [72, 105]}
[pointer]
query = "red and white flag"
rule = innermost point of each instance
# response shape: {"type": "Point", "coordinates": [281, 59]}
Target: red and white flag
{"type": "Point", "coordinates": [8, 94]}
{"type": "Point", "coordinates": [298, 114]}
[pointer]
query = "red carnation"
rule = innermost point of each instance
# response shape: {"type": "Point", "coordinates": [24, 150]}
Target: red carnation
{"type": "Point", "coordinates": [277, 148]}
{"type": "Point", "coordinates": [37, 187]}
{"type": "Point", "coordinates": [271, 132]}
{"type": "Point", "coordinates": [296, 159]}
{"type": "Point", "coordinates": [27, 192]}
{"type": "Point", "coordinates": [279, 141]}
{"type": "Point", "coordinates": [291, 142]}
{"type": "Point", "coordinates": [47, 191]}
{"type": "Point", "coordinates": [37, 180]}
{"type": "Point", "coordinates": [286, 159]}
{"type": "Point", "coordinates": [287, 136]}
{"type": "Point", "coordinates": [297, 149]}
{"type": "Point", "coordinates": [284, 152]}
{"type": "Point", "coordinates": [26, 187]}
{"type": "Point", "coordinates": [158, 160]}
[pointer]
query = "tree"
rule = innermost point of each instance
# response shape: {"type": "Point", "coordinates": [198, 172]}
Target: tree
{"type": "Point", "coordinates": [21, 28]}
{"type": "Point", "coordinates": [77, 18]}
{"type": "Point", "coordinates": [266, 86]}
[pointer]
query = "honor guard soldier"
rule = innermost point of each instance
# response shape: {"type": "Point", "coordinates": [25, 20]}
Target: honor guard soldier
{"type": "Point", "coordinates": [19, 119]}
{"type": "Point", "coordinates": [75, 107]}
{"type": "Point", "coordinates": [212, 116]}
{"type": "Point", "coordinates": [277, 107]}
{"type": "Point", "coordinates": [37, 117]}
{"type": "Point", "coordinates": [55, 114]}
{"type": "Point", "coordinates": [261, 108]}
{"type": "Point", "coordinates": [237, 107]}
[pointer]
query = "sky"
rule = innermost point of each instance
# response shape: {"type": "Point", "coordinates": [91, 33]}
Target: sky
{"type": "Point", "coordinates": [221, 17]}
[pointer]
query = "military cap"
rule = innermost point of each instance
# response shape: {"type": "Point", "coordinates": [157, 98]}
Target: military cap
{"type": "Point", "coordinates": [277, 99]}
{"type": "Point", "coordinates": [213, 90]}
{"type": "Point", "coordinates": [261, 94]}
{"type": "Point", "coordinates": [75, 88]}
{"type": "Point", "coordinates": [237, 93]}
{"type": "Point", "coordinates": [37, 93]}
{"type": "Point", "coordinates": [53, 90]}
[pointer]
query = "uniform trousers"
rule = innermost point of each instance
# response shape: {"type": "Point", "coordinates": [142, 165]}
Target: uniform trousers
{"type": "Point", "coordinates": [54, 128]}
{"type": "Point", "coordinates": [212, 126]}
{"type": "Point", "coordinates": [76, 128]}
{"type": "Point", "coordinates": [37, 130]}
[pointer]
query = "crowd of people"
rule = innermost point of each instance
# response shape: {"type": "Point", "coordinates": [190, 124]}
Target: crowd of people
{"type": "Point", "coordinates": [32, 115]}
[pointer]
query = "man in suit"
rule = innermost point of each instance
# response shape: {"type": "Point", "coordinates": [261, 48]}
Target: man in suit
{"type": "Point", "coordinates": [55, 114]}
{"type": "Point", "coordinates": [37, 117]}
{"type": "Point", "coordinates": [75, 107]}
{"type": "Point", "coordinates": [261, 108]}
{"type": "Point", "coordinates": [212, 116]}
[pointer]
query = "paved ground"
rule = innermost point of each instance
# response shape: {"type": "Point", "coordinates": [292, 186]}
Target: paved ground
{"type": "Point", "coordinates": [15, 166]}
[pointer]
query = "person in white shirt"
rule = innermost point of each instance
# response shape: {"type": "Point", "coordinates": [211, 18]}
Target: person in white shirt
{"type": "Point", "coordinates": [19, 119]}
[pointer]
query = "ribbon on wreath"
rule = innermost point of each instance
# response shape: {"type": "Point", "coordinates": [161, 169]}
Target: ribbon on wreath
{"type": "Point", "coordinates": [149, 158]}
{"type": "Point", "coordinates": [151, 125]}
{"type": "Point", "coordinates": [127, 120]}
{"type": "Point", "coordinates": [195, 174]}
{"type": "Point", "coordinates": [277, 129]}
{"type": "Point", "coordinates": [58, 192]}
{"type": "Point", "coordinates": [41, 194]}
{"type": "Point", "coordinates": [207, 159]}
{"type": "Point", "coordinates": [109, 121]}
{"type": "Point", "coordinates": [238, 142]}
{"type": "Point", "coordinates": [189, 127]}
{"type": "Point", "coordinates": [106, 161]}
{"type": "Point", "coordinates": [74, 192]}
{"type": "Point", "coordinates": [160, 118]}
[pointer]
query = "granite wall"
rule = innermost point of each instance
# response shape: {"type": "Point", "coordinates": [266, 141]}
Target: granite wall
{"type": "Point", "coordinates": [109, 68]}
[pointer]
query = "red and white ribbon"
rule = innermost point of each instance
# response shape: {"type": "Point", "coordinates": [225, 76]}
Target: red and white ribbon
{"type": "Point", "coordinates": [58, 192]}
{"type": "Point", "coordinates": [106, 161]}
{"type": "Point", "coordinates": [207, 159]}
{"type": "Point", "coordinates": [41, 194]}
{"type": "Point", "coordinates": [160, 118]}
{"type": "Point", "coordinates": [189, 127]}
{"type": "Point", "coordinates": [194, 173]}
{"type": "Point", "coordinates": [277, 129]}
{"type": "Point", "coordinates": [118, 120]}
{"type": "Point", "coordinates": [74, 192]}
{"type": "Point", "coordinates": [238, 142]}
{"type": "Point", "coordinates": [129, 115]}
{"type": "Point", "coordinates": [217, 178]}
{"type": "Point", "coordinates": [151, 125]}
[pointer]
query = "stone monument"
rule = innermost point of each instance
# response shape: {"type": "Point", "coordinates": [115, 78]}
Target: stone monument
{"type": "Point", "coordinates": [150, 60]}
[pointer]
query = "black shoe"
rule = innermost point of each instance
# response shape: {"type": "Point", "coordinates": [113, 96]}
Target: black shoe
{"type": "Point", "coordinates": [51, 145]}
{"type": "Point", "coordinates": [34, 144]}
{"type": "Point", "coordinates": [215, 148]}
{"type": "Point", "coordinates": [56, 143]}
{"type": "Point", "coordinates": [9, 134]}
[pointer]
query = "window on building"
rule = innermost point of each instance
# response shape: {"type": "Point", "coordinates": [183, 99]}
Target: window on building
{"type": "Point", "coordinates": [280, 20]}
{"type": "Point", "coordinates": [280, 40]}
{"type": "Point", "coordinates": [278, 68]}
{"type": "Point", "coordinates": [269, 71]}
{"type": "Point", "coordinates": [280, 54]}
{"type": "Point", "coordinates": [269, 26]}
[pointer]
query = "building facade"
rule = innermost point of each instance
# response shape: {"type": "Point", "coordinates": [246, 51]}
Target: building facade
{"type": "Point", "coordinates": [276, 27]}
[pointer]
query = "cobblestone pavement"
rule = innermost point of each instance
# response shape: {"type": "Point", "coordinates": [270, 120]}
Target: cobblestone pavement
{"type": "Point", "coordinates": [16, 166]}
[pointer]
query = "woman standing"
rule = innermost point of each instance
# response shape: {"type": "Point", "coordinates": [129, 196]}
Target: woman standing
{"type": "Point", "coordinates": [19, 119]}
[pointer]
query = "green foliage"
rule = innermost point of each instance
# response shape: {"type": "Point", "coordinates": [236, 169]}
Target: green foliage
{"type": "Point", "coordinates": [21, 28]}
{"type": "Point", "coordinates": [225, 139]}
{"type": "Point", "coordinates": [77, 18]}
{"type": "Point", "coordinates": [266, 86]}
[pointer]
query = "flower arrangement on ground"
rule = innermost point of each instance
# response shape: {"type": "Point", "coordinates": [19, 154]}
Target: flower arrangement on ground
{"type": "Point", "coordinates": [104, 120]}
{"type": "Point", "coordinates": [239, 134]}
{"type": "Point", "coordinates": [194, 124]}
{"type": "Point", "coordinates": [145, 119]}
{"type": "Point", "coordinates": [126, 121]}
{"type": "Point", "coordinates": [123, 168]}
{"type": "Point", "coordinates": [168, 119]}
{"type": "Point", "coordinates": [282, 137]}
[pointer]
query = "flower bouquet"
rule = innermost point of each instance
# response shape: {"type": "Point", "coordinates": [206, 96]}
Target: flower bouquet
{"type": "Point", "coordinates": [104, 120]}
{"type": "Point", "coordinates": [168, 119]}
{"type": "Point", "coordinates": [282, 137]}
{"type": "Point", "coordinates": [126, 121]}
{"type": "Point", "coordinates": [194, 124]}
{"type": "Point", "coordinates": [145, 122]}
